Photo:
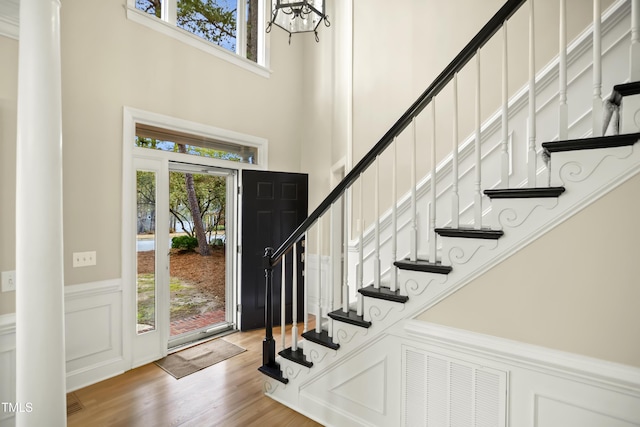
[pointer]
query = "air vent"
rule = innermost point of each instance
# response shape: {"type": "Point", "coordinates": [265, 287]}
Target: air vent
{"type": "Point", "coordinates": [443, 391]}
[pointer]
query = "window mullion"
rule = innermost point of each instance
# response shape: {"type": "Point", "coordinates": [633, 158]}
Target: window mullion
{"type": "Point", "coordinates": [170, 11]}
{"type": "Point", "coordinates": [241, 28]}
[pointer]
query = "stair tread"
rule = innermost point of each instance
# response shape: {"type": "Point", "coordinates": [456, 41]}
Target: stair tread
{"type": "Point", "coordinates": [350, 317]}
{"type": "Point", "coordinates": [424, 266]}
{"type": "Point", "coordinates": [524, 193]}
{"type": "Point", "coordinates": [469, 233]}
{"type": "Point", "coordinates": [592, 143]}
{"type": "Point", "coordinates": [274, 372]}
{"type": "Point", "coordinates": [321, 338]}
{"type": "Point", "coordinates": [384, 293]}
{"type": "Point", "coordinates": [626, 89]}
{"type": "Point", "coordinates": [296, 356]}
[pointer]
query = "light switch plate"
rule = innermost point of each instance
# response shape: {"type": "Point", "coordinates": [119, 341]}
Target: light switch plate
{"type": "Point", "coordinates": [8, 281]}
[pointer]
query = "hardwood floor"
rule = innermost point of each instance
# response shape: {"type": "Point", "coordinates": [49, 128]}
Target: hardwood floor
{"type": "Point", "coordinates": [228, 393]}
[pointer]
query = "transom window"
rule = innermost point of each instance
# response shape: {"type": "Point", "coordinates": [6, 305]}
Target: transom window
{"type": "Point", "coordinates": [155, 138]}
{"type": "Point", "coordinates": [234, 25]}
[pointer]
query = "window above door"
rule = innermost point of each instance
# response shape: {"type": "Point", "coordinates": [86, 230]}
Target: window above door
{"type": "Point", "coordinates": [148, 136]}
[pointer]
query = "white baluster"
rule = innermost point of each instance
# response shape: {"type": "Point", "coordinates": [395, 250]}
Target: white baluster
{"type": "Point", "coordinates": [478, 154]}
{"type": "Point", "coordinates": [345, 252]}
{"type": "Point", "coordinates": [504, 151]}
{"type": "Point", "coordinates": [414, 213]}
{"type": "Point", "coordinates": [455, 197]}
{"type": "Point", "coordinates": [531, 153]}
{"type": "Point", "coordinates": [394, 218]}
{"type": "Point", "coordinates": [360, 270]}
{"type": "Point", "coordinates": [634, 50]}
{"type": "Point", "coordinates": [563, 123]}
{"type": "Point", "coordinates": [432, 205]}
{"type": "Point", "coordinates": [376, 210]}
{"type": "Point", "coordinates": [319, 308]}
{"type": "Point", "coordinates": [283, 301]}
{"type": "Point", "coordinates": [596, 114]}
{"type": "Point", "coordinates": [294, 300]}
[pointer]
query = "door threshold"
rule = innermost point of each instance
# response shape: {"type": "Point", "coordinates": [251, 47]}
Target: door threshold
{"type": "Point", "coordinates": [223, 330]}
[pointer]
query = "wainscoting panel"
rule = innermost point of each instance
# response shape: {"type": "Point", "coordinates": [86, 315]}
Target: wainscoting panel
{"type": "Point", "coordinates": [93, 332]}
{"type": "Point", "coordinates": [362, 390]}
{"type": "Point", "coordinates": [7, 367]}
{"type": "Point", "coordinates": [543, 387]}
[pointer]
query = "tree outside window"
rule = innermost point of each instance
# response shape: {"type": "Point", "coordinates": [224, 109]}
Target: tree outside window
{"type": "Point", "coordinates": [213, 20]}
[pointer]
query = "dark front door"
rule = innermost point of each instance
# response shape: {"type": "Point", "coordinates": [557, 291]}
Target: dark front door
{"type": "Point", "coordinates": [273, 205]}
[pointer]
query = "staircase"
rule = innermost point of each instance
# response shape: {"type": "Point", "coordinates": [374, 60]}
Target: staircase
{"type": "Point", "coordinates": [406, 263]}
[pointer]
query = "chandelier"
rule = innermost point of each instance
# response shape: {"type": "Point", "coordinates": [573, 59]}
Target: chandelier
{"type": "Point", "coordinates": [295, 16]}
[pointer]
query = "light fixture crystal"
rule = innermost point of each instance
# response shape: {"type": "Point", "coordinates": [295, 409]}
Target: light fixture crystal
{"type": "Point", "coordinates": [295, 16]}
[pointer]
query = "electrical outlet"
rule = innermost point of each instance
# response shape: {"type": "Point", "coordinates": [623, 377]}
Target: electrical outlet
{"type": "Point", "coordinates": [84, 259]}
{"type": "Point", "coordinates": [8, 281]}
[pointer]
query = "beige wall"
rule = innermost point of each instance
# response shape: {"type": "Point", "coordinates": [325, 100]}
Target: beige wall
{"type": "Point", "coordinates": [109, 62]}
{"type": "Point", "coordinates": [8, 111]}
{"type": "Point", "coordinates": [575, 289]}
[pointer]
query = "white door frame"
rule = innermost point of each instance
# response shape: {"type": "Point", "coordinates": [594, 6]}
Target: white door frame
{"type": "Point", "coordinates": [139, 352]}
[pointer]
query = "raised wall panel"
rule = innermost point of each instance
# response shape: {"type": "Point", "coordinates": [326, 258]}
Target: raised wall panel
{"type": "Point", "coordinates": [541, 387]}
{"type": "Point", "coordinates": [93, 332]}
{"type": "Point", "coordinates": [553, 412]}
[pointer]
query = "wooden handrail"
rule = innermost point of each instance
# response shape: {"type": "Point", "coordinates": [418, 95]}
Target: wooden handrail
{"type": "Point", "coordinates": [465, 55]}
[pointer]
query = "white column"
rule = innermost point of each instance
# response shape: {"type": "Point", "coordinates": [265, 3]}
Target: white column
{"type": "Point", "coordinates": [40, 365]}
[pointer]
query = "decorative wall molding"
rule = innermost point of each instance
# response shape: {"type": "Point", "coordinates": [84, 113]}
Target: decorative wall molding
{"type": "Point", "coordinates": [93, 339]}
{"type": "Point", "coordinates": [550, 361]}
{"type": "Point", "coordinates": [93, 332]}
{"type": "Point", "coordinates": [547, 387]}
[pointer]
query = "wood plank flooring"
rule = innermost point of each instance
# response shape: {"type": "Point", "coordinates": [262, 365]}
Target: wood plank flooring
{"type": "Point", "coordinates": [228, 393]}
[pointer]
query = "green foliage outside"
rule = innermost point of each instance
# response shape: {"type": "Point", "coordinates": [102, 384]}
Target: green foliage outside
{"type": "Point", "coordinates": [213, 20]}
{"type": "Point", "coordinates": [184, 243]}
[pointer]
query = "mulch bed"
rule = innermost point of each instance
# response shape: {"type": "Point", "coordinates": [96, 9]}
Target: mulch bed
{"type": "Point", "coordinates": [205, 273]}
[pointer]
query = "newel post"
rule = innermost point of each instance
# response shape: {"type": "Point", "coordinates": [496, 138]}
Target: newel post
{"type": "Point", "coordinates": [268, 345]}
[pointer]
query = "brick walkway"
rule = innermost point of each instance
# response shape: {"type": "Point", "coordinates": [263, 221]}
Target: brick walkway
{"type": "Point", "coordinates": [196, 322]}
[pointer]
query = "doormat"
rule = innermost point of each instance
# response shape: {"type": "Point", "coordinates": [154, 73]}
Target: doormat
{"type": "Point", "coordinates": [193, 359]}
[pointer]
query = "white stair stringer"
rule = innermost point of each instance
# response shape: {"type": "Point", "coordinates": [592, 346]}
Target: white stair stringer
{"type": "Point", "coordinates": [587, 175]}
